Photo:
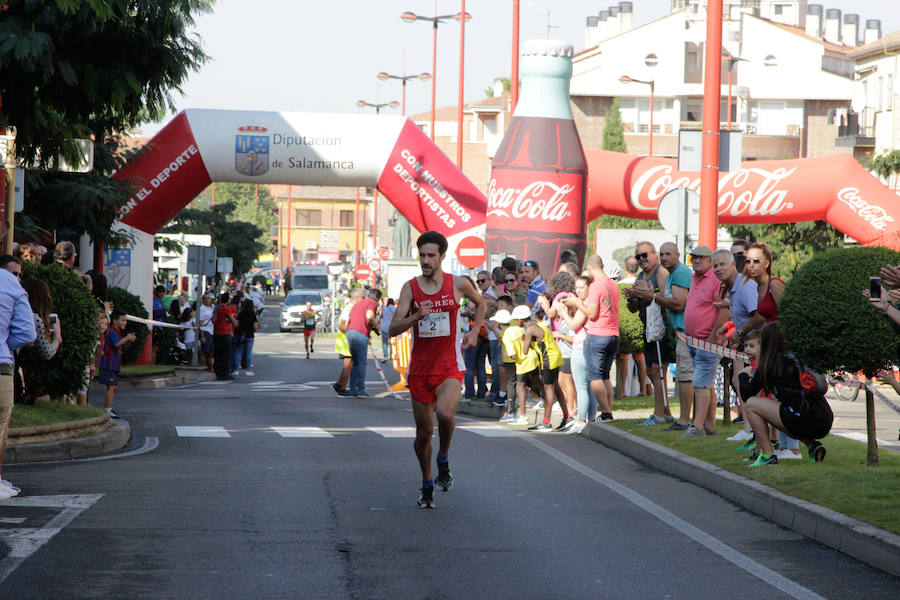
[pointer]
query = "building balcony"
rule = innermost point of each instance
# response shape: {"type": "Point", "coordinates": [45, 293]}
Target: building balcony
{"type": "Point", "coordinates": [854, 135]}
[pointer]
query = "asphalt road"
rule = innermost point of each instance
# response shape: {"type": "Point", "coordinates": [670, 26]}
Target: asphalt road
{"type": "Point", "coordinates": [283, 490]}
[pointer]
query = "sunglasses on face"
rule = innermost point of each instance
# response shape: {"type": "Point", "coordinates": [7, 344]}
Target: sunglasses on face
{"type": "Point", "coordinates": [755, 261]}
{"type": "Point", "coordinates": [529, 263]}
{"type": "Point", "coordinates": [481, 280]}
{"type": "Point", "coordinates": [510, 280]}
{"type": "Point", "coordinates": [641, 256]}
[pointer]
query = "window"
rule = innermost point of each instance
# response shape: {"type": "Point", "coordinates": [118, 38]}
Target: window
{"type": "Point", "coordinates": [889, 93]}
{"type": "Point", "coordinates": [693, 62]}
{"type": "Point", "coordinates": [304, 217]}
{"type": "Point", "coordinates": [880, 88]}
{"type": "Point", "coordinates": [779, 9]}
{"type": "Point", "coordinates": [347, 218]}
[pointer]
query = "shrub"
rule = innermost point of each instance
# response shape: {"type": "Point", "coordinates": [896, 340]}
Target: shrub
{"type": "Point", "coordinates": [78, 312]}
{"type": "Point", "coordinates": [827, 322]}
{"type": "Point", "coordinates": [130, 304]}
{"type": "Point", "coordinates": [631, 330]}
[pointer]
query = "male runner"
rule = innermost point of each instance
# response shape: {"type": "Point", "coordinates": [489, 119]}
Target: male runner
{"type": "Point", "coordinates": [309, 317]}
{"type": "Point", "coordinates": [429, 303]}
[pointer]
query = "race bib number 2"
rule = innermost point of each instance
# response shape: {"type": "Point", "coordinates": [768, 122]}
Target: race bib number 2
{"type": "Point", "coordinates": [435, 325]}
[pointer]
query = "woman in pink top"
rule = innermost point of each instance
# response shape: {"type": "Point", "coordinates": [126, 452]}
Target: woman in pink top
{"type": "Point", "coordinates": [602, 311]}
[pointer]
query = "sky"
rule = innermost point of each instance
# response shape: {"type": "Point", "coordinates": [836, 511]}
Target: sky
{"type": "Point", "coordinates": [322, 56]}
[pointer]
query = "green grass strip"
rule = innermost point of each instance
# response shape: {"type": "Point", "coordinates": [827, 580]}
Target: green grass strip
{"type": "Point", "coordinates": [842, 482]}
{"type": "Point", "coordinates": [45, 412]}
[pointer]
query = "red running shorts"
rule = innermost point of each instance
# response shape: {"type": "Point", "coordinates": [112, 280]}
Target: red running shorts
{"type": "Point", "coordinates": [423, 387]}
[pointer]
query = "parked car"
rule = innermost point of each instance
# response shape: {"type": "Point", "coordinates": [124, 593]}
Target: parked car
{"type": "Point", "coordinates": [295, 303]}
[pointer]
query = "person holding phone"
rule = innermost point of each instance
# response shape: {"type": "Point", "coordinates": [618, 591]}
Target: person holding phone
{"type": "Point", "coordinates": [887, 301]}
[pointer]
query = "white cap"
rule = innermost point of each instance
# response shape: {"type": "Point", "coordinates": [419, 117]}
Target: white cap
{"type": "Point", "coordinates": [521, 312]}
{"type": "Point", "coordinates": [540, 47]}
{"type": "Point", "coordinates": [502, 316]}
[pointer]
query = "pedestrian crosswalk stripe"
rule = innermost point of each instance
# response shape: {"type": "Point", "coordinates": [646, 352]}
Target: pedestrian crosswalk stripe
{"type": "Point", "coordinates": [492, 430]}
{"type": "Point", "coordinates": [302, 432]}
{"type": "Point", "coordinates": [201, 431]}
{"type": "Point", "coordinates": [394, 432]}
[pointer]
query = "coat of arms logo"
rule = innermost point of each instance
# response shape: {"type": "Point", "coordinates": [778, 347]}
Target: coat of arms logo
{"type": "Point", "coordinates": [251, 150]}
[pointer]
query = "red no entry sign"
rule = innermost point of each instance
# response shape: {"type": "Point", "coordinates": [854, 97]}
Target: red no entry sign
{"type": "Point", "coordinates": [363, 272]}
{"type": "Point", "coordinates": [471, 252]}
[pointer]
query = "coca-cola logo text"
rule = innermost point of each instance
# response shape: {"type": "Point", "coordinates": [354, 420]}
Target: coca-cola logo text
{"type": "Point", "coordinates": [738, 198]}
{"type": "Point", "coordinates": [542, 200]}
{"type": "Point", "coordinates": [872, 214]}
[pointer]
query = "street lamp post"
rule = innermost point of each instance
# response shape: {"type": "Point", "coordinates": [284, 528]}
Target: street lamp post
{"type": "Point", "coordinates": [411, 17]}
{"type": "Point", "coordinates": [652, 84]}
{"type": "Point", "coordinates": [732, 60]}
{"type": "Point", "coordinates": [403, 79]}
{"type": "Point", "coordinates": [379, 106]}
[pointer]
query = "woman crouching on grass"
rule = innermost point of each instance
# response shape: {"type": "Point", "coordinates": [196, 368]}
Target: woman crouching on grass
{"type": "Point", "coordinates": [801, 414]}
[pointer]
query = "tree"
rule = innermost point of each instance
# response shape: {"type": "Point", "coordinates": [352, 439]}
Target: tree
{"type": "Point", "coordinates": [885, 164]}
{"type": "Point", "coordinates": [89, 69]}
{"type": "Point", "coordinates": [831, 327]}
{"type": "Point", "coordinates": [613, 130]}
{"type": "Point", "coordinates": [249, 208]}
{"type": "Point", "coordinates": [237, 239]}
{"type": "Point", "coordinates": [792, 244]}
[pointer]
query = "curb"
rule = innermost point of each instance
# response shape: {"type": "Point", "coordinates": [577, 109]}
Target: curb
{"type": "Point", "coordinates": [54, 432]}
{"type": "Point", "coordinates": [149, 383]}
{"type": "Point", "coordinates": [115, 438]}
{"type": "Point", "coordinates": [481, 409]}
{"type": "Point", "coordinates": [862, 541]}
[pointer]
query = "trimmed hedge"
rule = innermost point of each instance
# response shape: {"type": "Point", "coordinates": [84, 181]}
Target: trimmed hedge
{"type": "Point", "coordinates": [130, 304]}
{"type": "Point", "coordinates": [78, 316]}
{"type": "Point", "coordinates": [631, 330]}
{"type": "Point", "coordinates": [828, 323]}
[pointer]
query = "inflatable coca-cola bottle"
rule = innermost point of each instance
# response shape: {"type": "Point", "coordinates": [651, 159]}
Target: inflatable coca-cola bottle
{"type": "Point", "coordinates": [537, 191]}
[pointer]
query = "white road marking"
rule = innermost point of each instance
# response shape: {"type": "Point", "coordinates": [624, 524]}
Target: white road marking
{"type": "Point", "coordinates": [493, 430]}
{"type": "Point", "coordinates": [764, 573]}
{"type": "Point", "coordinates": [394, 432]}
{"type": "Point", "coordinates": [25, 541]}
{"type": "Point", "coordinates": [201, 431]}
{"type": "Point", "coordinates": [859, 436]}
{"type": "Point", "coordinates": [12, 520]}
{"type": "Point", "coordinates": [293, 432]}
{"type": "Point", "coordinates": [269, 383]}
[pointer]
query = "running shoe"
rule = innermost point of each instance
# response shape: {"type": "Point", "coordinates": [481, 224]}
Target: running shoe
{"type": "Point", "coordinates": [762, 460]}
{"type": "Point", "coordinates": [362, 394]}
{"type": "Point", "coordinates": [676, 426]}
{"type": "Point", "coordinates": [565, 424]}
{"type": "Point", "coordinates": [578, 427]}
{"type": "Point", "coordinates": [669, 419]}
{"type": "Point", "coordinates": [345, 394]}
{"type": "Point", "coordinates": [816, 452]}
{"type": "Point", "coordinates": [499, 402]}
{"type": "Point", "coordinates": [426, 497]}
{"type": "Point", "coordinates": [5, 484]}
{"type": "Point", "coordinates": [541, 427]}
{"type": "Point", "coordinates": [747, 447]}
{"type": "Point", "coordinates": [522, 420]}
{"type": "Point", "coordinates": [336, 389]}
{"type": "Point", "coordinates": [741, 436]}
{"type": "Point", "coordinates": [651, 420]}
{"type": "Point", "coordinates": [692, 431]}
{"type": "Point", "coordinates": [249, 373]}
{"type": "Point", "coordinates": [444, 480]}
{"type": "Point", "coordinates": [112, 414]}
{"type": "Point", "coordinates": [539, 405]}
{"type": "Point", "coordinates": [5, 493]}
{"type": "Point", "coordinates": [605, 417]}
{"type": "Point", "coordinates": [508, 417]}
{"type": "Point", "coordinates": [307, 355]}
{"type": "Point", "coordinates": [739, 419]}
{"type": "Point", "coordinates": [788, 454]}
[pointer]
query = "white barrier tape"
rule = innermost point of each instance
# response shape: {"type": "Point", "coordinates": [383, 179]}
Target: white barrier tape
{"type": "Point", "coordinates": [156, 323]}
{"type": "Point", "coordinates": [710, 347]}
{"type": "Point", "coordinates": [884, 399]}
{"type": "Point", "coordinates": [381, 374]}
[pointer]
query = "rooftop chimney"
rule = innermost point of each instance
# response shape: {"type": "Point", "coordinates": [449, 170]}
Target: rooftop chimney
{"type": "Point", "coordinates": [626, 12]}
{"type": "Point", "coordinates": [833, 25]}
{"type": "Point", "coordinates": [603, 25]}
{"type": "Point", "coordinates": [612, 23]}
{"type": "Point", "coordinates": [873, 31]}
{"type": "Point", "coordinates": [850, 33]}
{"type": "Point", "coordinates": [814, 20]}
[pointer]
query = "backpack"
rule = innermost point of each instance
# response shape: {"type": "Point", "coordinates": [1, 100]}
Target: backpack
{"type": "Point", "coordinates": [812, 383]}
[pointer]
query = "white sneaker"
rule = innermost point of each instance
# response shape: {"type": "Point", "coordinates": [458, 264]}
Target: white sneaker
{"type": "Point", "coordinates": [5, 493]}
{"type": "Point", "coordinates": [788, 454]}
{"type": "Point", "coordinates": [741, 436]}
{"type": "Point", "coordinates": [8, 485]}
{"type": "Point", "coordinates": [577, 427]}
{"type": "Point", "coordinates": [249, 373]}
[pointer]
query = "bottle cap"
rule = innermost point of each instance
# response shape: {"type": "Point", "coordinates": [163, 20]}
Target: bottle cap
{"type": "Point", "coordinates": [548, 48]}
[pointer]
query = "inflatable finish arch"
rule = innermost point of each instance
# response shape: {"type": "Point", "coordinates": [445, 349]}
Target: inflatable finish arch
{"type": "Point", "coordinates": [199, 147]}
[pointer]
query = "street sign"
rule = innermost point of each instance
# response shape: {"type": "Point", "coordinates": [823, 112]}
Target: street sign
{"type": "Point", "coordinates": [201, 260]}
{"type": "Point", "coordinates": [363, 272]}
{"type": "Point", "coordinates": [384, 253]}
{"type": "Point", "coordinates": [679, 213]}
{"type": "Point", "coordinates": [471, 252]}
{"type": "Point", "coordinates": [375, 265]}
{"type": "Point", "coordinates": [225, 264]}
{"type": "Point", "coordinates": [690, 150]}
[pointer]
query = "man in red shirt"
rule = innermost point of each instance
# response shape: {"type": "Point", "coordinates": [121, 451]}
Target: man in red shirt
{"type": "Point", "coordinates": [224, 320]}
{"type": "Point", "coordinates": [359, 326]}
{"type": "Point", "coordinates": [429, 303]}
